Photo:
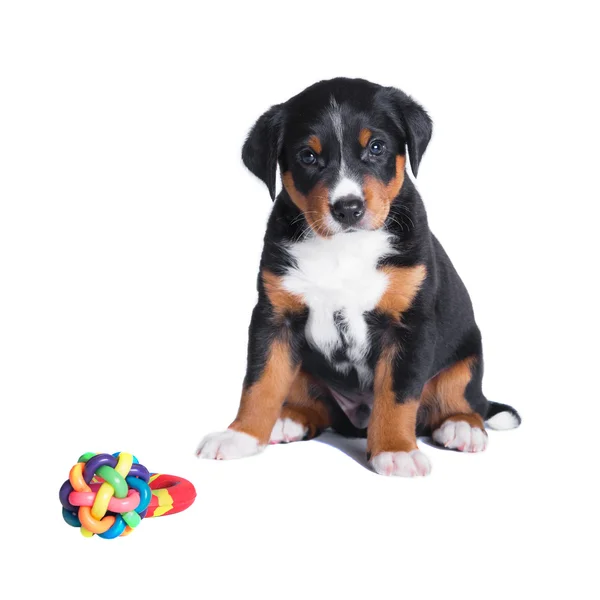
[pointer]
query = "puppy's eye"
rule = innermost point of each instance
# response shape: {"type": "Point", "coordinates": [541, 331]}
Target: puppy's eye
{"type": "Point", "coordinates": [376, 147]}
{"type": "Point", "coordinates": [308, 157]}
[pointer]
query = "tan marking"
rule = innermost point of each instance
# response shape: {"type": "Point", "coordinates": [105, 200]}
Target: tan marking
{"type": "Point", "coordinates": [297, 198]}
{"type": "Point", "coordinates": [314, 143]}
{"type": "Point", "coordinates": [403, 285]}
{"type": "Point", "coordinates": [302, 407]}
{"type": "Point", "coordinates": [393, 425]}
{"type": "Point", "coordinates": [443, 396]}
{"type": "Point", "coordinates": [261, 402]}
{"type": "Point", "coordinates": [282, 301]}
{"type": "Point", "coordinates": [315, 205]}
{"type": "Point", "coordinates": [379, 195]}
{"type": "Point", "coordinates": [473, 419]}
{"type": "Point", "coordinates": [364, 136]}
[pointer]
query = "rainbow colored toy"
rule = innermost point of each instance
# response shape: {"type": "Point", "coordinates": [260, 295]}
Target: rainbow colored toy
{"type": "Point", "coordinates": [110, 494]}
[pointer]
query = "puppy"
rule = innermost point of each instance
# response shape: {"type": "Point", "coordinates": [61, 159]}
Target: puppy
{"type": "Point", "coordinates": [362, 324]}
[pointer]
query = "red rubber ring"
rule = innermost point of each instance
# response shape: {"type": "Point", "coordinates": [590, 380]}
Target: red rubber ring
{"type": "Point", "coordinates": [170, 495]}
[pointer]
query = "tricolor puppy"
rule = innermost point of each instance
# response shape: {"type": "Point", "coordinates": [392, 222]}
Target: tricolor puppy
{"type": "Point", "coordinates": [362, 324]}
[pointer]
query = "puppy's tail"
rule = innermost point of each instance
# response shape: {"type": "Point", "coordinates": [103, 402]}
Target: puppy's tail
{"type": "Point", "coordinates": [501, 416]}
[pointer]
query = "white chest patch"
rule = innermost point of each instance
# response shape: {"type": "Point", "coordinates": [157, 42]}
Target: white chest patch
{"type": "Point", "coordinates": [337, 278]}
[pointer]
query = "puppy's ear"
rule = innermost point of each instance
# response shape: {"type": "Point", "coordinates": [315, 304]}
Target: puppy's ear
{"type": "Point", "coordinates": [263, 147]}
{"type": "Point", "coordinates": [413, 121]}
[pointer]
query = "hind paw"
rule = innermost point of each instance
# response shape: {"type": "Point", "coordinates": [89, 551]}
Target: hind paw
{"type": "Point", "coordinates": [459, 435]}
{"type": "Point", "coordinates": [287, 430]}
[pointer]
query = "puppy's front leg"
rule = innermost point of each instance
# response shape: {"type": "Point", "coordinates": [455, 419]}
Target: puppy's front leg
{"type": "Point", "coordinates": [272, 366]}
{"type": "Point", "coordinates": [391, 435]}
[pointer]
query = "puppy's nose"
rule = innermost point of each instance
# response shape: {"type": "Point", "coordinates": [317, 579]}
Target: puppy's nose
{"type": "Point", "coordinates": [348, 210]}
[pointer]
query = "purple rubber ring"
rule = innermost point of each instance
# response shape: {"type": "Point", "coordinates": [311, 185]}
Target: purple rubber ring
{"type": "Point", "coordinates": [92, 465]}
{"type": "Point", "coordinates": [139, 471]}
{"type": "Point", "coordinates": [65, 489]}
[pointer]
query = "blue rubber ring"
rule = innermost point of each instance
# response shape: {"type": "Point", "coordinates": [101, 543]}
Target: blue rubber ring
{"type": "Point", "coordinates": [71, 518]}
{"type": "Point", "coordinates": [116, 530]}
{"type": "Point", "coordinates": [144, 491]}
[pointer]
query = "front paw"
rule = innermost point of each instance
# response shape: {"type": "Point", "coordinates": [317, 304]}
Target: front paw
{"type": "Point", "coordinates": [401, 464]}
{"type": "Point", "coordinates": [227, 445]}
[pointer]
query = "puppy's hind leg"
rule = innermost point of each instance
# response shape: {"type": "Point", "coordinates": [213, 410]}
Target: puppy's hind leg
{"type": "Point", "coordinates": [453, 404]}
{"type": "Point", "coordinates": [304, 415]}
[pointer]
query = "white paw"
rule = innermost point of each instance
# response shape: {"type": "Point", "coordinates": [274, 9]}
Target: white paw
{"type": "Point", "coordinates": [287, 430]}
{"type": "Point", "coordinates": [225, 445]}
{"type": "Point", "coordinates": [402, 464]}
{"type": "Point", "coordinates": [459, 435]}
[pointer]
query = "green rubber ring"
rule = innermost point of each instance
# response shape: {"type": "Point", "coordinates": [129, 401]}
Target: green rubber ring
{"type": "Point", "coordinates": [132, 518]}
{"type": "Point", "coordinates": [85, 457]}
{"type": "Point", "coordinates": [113, 479]}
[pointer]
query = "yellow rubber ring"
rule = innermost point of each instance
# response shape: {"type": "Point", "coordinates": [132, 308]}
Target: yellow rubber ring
{"type": "Point", "coordinates": [103, 497]}
{"type": "Point", "coordinates": [124, 464]}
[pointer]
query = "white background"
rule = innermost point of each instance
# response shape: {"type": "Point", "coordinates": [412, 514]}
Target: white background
{"type": "Point", "coordinates": [130, 235]}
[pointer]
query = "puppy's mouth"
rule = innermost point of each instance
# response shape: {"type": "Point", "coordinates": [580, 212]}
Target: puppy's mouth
{"type": "Point", "coordinates": [330, 228]}
{"type": "Point", "coordinates": [360, 226]}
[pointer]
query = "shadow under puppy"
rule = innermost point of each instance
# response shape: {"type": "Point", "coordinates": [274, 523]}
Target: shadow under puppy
{"type": "Point", "coordinates": [362, 324]}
